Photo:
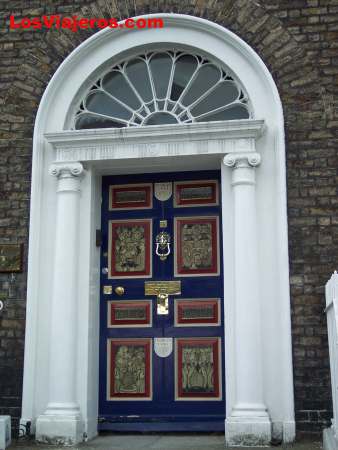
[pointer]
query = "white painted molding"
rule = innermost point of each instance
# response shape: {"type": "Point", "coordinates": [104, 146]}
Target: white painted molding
{"type": "Point", "coordinates": [238, 129]}
{"type": "Point", "coordinates": [154, 141]}
{"type": "Point", "coordinates": [147, 149]}
{"type": "Point", "coordinates": [330, 436]}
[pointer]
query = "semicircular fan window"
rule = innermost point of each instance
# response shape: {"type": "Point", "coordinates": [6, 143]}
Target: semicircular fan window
{"type": "Point", "coordinates": [158, 88]}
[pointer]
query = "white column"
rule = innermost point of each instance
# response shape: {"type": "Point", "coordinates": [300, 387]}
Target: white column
{"type": "Point", "coordinates": [61, 423]}
{"type": "Point", "coordinates": [248, 423]}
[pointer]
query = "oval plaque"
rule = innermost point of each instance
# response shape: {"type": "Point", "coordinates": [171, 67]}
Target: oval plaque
{"type": "Point", "coordinates": [163, 346]}
{"type": "Point", "coordinates": [163, 191]}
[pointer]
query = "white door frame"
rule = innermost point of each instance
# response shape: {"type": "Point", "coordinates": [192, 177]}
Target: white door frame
{"type": "Point", "coordinates": [63, 274]}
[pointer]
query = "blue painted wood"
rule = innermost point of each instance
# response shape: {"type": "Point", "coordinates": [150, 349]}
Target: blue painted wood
{"type": "Point", "coordinates": [193, 424]}
{"type": "Point", "coordinates": [163, 413]}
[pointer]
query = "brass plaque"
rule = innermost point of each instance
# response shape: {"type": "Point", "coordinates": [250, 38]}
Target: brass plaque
{"type": "Point", "coordinates": [165, 287]}
{"type": "Point", "coordinates": [10, 257]}
{"type": "Point", "coordinates": [163, 223]}
{"type": "Point", "coordinates": [107, 290]}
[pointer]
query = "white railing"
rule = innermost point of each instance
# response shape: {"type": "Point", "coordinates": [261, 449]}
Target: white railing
{"type": "Point", "coordinates": [331, 294]}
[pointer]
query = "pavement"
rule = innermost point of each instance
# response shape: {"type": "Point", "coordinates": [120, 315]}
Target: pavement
{"type": "Point", "coordinates": [169, 441]}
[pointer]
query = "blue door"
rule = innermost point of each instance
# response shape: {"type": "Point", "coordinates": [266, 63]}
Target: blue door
{"type": "Point", "coordinates": [161, 311]}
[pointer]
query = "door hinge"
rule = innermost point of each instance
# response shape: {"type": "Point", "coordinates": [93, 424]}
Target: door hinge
{"type": "Point", "coordinates": [98, 239]}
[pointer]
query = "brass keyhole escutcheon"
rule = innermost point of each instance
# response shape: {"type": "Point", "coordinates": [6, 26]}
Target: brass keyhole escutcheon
{"type": "Point", "coordinates": [119, 290]}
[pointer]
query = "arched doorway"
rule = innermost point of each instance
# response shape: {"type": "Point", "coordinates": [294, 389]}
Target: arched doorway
{"type": "Point", "coordinates": [248, 152]}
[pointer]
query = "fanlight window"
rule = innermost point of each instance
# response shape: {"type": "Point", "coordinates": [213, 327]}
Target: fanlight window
{"type": "Point", "coordinates": [166, 87]}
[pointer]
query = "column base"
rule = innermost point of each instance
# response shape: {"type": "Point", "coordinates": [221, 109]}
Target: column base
{"type": "Point", "coordinates": [330, 442]}
{"type": "Point", "coordinates": [57, 429]}
{"type": "Point", "coordinates": [248, 427]}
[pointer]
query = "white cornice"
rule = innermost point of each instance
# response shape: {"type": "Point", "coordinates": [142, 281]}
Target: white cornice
{"type": "Point", "coordinates": [233, 129]}
{"type": "Point", "coordinates": [156, 141]}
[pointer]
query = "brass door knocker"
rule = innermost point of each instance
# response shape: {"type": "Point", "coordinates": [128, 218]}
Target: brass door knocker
{"type": "Point", "coordinates": [163, 245]}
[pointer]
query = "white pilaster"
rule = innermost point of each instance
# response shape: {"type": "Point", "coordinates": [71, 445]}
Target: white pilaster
{"type": "Point", "coordinates": [61, 422]}
{"type": "Point", "coordinates": [248, 422]}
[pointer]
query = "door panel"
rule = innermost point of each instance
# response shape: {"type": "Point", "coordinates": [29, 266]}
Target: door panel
{"type": "Point", "coordinates": [197, 312]}
{"type": "Point", "coordinates": [130, 249]}
{"type": "Point", "coordinates": [129, 369]}
{"type": "Point", "coordinates": [129, 314]}
{"type": "Point", "coordinates": [196, 246]}
{"type": "Point", "coordinates": [161, 372]}
{"type": "Point", "coordinates": [198, 371]}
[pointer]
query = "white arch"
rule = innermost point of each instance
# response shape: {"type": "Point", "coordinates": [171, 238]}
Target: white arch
{"type": "Point", "coordinates": [80, 66]}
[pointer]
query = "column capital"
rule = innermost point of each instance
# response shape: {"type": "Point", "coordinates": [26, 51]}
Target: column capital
{"type": "Point", "coordinates": [242, 160]}
{"type": "Point", "coordinates": [66, 170]}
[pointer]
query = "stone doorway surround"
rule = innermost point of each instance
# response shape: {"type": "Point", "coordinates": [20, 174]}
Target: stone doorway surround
{"type": "Point", "coordinates": [61, 352]}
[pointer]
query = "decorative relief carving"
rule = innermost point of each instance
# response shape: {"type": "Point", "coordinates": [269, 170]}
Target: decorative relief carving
{"type": "Point", "coordinates": [196, 241]}
{"type": "Point", "coordinates": [130, 196]}
{"type": "Point", "coordinates": [197, 312]}
{"type": "Point", "coordinates": [196, 246]}
{"type": "Point", "coordinates": [202, 312]}
{"type": "Point", "coordinates": [197, 146]}
{"type": "Point", "coordinates": [129, 313]}
{"type": "Point", "coordinates": [129, 248]}
{"type": "Point", "coordinates": [129, 369]}
{"type": "Point", "coordinates": [132, 313]}
{"type": "Point", "coordinates": [198, 369]}
{"type": "Point", "coordinates": [195, 193]}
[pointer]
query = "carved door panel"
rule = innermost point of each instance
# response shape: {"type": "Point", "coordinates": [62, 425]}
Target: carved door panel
{"type": "Point", "coordinates": [161, 311]}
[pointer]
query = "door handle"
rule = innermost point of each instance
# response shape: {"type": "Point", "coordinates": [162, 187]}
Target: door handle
{"type": "Point", "coordinates": [162, 304]}
{"type": "Point", "coordinates": [119, 290]}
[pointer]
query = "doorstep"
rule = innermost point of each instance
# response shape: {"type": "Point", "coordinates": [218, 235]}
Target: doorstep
{"type": "Point", "coordinates": [169, 441]}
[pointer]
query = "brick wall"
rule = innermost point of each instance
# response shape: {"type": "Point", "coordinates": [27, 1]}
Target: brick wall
{"type": "Point", "coordinates": [298, 41]}
{"type": "Point", "coordinates": [311, 110]}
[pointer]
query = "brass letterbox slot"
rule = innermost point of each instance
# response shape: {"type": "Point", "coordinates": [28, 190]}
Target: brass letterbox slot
{"type": "Point", "coordinates": [162, 287]}
{"type": "Point", "coordinates": [162, 290]}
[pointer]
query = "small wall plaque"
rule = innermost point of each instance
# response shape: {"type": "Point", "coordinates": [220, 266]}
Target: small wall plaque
{"type": "Point", "coordinates": [163, 346]}
{"type": "Point", "coordinates": [10, 258]}
{"type": "Point", "coordinates": [163, 191]}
